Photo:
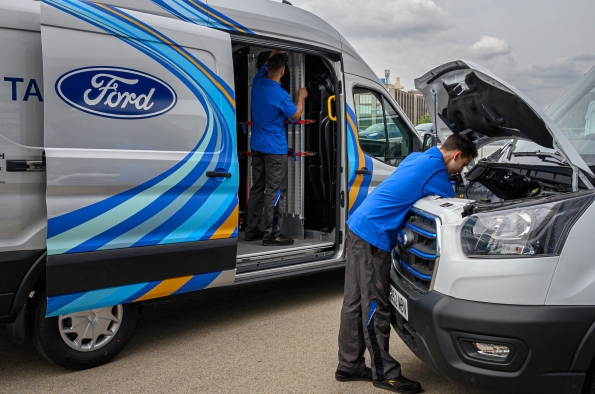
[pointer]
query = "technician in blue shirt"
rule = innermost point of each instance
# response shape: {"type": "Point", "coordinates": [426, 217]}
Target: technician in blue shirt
{"type": "Point", "coordinates": [271, 105]}
{"type": "Point", "coordinates": [372, 235]}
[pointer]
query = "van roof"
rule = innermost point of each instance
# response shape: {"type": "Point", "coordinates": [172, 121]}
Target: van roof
{"type": "Point", "coordinates": [260, 18]}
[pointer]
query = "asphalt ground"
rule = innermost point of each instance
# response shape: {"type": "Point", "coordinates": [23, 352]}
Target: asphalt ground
{"type": "Point", "coordinates": [272, 337]}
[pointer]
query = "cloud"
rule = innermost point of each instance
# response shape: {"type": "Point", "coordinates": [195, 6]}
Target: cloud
{"type": "Point", "coordinates": [562, 70]}
{"type": "Point", "coordinates": [410, 37]}
{"type": "Point", "coordinates": [585, 57]}
{"type": "Point", "coordinates": [490, 47]}
{"type": "Point", "coordinates": [542, 82]}
{"type": "Point", "coordinates": [380, 18]}
{"type": "Point", "coordinates": [400, 35]}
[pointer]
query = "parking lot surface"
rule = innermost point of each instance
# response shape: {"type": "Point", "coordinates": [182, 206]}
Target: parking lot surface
{"type": "Point", "coordinates": [273, 337]}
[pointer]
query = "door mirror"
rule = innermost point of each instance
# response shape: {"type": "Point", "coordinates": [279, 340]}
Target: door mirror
{"type": "Point", "coordinates": [429, 141]}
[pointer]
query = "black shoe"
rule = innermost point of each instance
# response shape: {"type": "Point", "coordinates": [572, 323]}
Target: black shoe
{"type": "Point", "coordinates": [399, 385]}
{"type": "Point", "coordinates": [365, 375]}
{"type": "Point", "coordinates": [254, 237]}
{"type": "Point", "coordinates": [281, 240]}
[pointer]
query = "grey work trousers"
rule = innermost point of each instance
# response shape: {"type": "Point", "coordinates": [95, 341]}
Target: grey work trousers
{"type": "Point", "coordinates": [365, 316]}
{"type": "Point", "coordinates": [269, 187]}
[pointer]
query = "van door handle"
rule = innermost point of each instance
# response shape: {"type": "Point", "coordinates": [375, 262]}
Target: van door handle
{"type": "Point", "coordinates": [24, 165]}
{"type": "Point", "coordinates": [364, 172]}
{"type": "Point", "coordinates": [330, 108]}
{"type": "Point", "coordinates": [218, 174]}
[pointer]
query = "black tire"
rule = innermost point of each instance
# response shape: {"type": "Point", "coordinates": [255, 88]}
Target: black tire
{"type": "Point", "coordinates": [49, 342]}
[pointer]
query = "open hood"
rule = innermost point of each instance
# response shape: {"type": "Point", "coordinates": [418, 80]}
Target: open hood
{"type": "Point", "coordinates": [469, 98]}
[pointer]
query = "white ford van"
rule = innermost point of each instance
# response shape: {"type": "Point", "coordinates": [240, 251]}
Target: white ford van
{"type": "Point", "coordinates": [125, 157]}
{"type": "Point", "coordinates": [496, 290]}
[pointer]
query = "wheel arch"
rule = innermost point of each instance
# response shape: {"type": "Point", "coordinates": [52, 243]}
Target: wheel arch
{"type": "Point", "coordinates": [29, 283]}
{"type": "Point", "coordinates": [585, 353]}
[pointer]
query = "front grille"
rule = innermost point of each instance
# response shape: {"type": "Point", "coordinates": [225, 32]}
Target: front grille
{"type": "Point", "coordinates": [415, 256]}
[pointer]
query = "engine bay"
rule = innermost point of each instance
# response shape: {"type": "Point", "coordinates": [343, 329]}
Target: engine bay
{"type": "Point", "coordinates": [496, 182]}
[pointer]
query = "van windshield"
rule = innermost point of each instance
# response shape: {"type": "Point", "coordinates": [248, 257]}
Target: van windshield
{"type": "Point", "coordinates": [574, 113]}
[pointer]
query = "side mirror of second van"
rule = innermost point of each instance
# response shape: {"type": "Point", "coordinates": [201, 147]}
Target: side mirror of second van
{"type": "Point", "coordinates": [429, 141]}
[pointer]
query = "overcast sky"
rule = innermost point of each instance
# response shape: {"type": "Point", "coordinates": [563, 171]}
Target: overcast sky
{"type": "Point", "coordinates": [541, 47]}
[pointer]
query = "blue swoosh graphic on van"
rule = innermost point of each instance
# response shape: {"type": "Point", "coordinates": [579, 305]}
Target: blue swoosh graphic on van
{"type": "Point", "coordinates": [181, 204]}
{"type": "Point", "coordinates": [358, 184]}
{"type": "Point", "coordinates": [101, 298]}
{"type": "Point", "coordinates": [198, 12]}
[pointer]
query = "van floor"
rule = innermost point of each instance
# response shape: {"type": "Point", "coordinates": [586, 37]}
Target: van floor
{"type": "Point", "coordinates": [250, 252]}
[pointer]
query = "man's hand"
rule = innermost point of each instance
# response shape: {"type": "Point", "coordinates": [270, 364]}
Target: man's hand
{"type": "Point", "coordinates": [299, 104]}
{"type": "Point", "coordinates": [274, 52]}
{"type": "Point", "coordinates": [302, 93]}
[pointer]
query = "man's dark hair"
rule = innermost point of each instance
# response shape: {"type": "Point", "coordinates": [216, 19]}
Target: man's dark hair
{"type": "Point", "coordinates": [275, 64]}
{"type": "Point", "coordinates": [460, 142]}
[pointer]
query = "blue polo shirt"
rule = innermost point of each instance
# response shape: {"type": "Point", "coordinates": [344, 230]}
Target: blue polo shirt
{"type": "Point", "coordinates": [271, 105]}
{"type": "Point", "coordinates": [382, 214]}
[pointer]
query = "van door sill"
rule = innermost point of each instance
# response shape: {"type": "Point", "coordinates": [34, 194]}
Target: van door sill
{"type": "Point", "coordinates": [254, 252]}
{"type": "Point", "coordinates": [303, 268]}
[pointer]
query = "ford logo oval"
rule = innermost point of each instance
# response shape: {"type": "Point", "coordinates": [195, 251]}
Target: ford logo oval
{"type": "Point", "coordinates": [401, 238]}
{"type": "Point", "coordinates": [116, 92]}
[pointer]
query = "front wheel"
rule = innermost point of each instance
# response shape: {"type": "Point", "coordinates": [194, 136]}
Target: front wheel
{"type": "Point", "coordinates": [81, 340]}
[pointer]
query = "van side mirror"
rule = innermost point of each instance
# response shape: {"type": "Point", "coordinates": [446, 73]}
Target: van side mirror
{"type": "Point", "coordinates": [429, 141]}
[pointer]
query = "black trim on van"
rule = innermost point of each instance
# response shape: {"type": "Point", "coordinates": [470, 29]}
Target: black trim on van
{"type": "Point", "coordinates": [285, 45]}
{"type": "Point", "coordinates": [585, 352]}
{"type": "Point", "coordinates": [5, 303]}
{"type": "Point", "coordinates": [28, 284]}
{"type": "Point", "coordinates": [14, 266]}
{"type": "Point", "coordinates": [78, 272]}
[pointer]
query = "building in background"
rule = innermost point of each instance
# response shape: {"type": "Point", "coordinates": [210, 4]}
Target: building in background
{"type": "Point", "coordinates": [411, 102]}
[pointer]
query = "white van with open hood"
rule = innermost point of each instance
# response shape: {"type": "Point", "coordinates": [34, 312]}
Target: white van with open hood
{"type": "Point", "coordinates": [495, 289]}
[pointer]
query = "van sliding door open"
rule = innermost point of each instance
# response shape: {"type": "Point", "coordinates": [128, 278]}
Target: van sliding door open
{"type": "Point", "coordinates": [142, 172]}
{"type": "Point", "coordinates": [311, 213]}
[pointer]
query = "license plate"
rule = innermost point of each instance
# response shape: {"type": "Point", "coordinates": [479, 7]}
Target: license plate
{"type": "Point", "coordinates": [399, 302]}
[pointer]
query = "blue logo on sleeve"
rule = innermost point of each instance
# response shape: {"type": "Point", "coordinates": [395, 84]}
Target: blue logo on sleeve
{"type": "Point", "coordinates": [115, 92]}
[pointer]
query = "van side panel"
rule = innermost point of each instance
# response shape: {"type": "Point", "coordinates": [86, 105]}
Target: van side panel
{"type": "Point", "coordinates": [140, 136]}
{"type": "Point", "coordinates": [198, 12]}
{"type": "Point", "coordinates": [22, 193]}
{"type": "Point", "coordinates": [358, 184]}
{"type": "Point", "coordinates": [573, 282]}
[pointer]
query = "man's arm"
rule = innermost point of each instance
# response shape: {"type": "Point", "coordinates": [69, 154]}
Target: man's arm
{"type": "Point", "coordinates": [273, 53]}
{"type": "Point", "coordinates": [439, 184]}
{"type": "Point", "coordinates": [262, 72]}
{"type": "Point", "coordinates": [299, 104]}
{"type": "Point", "coordinates": [302, 94]}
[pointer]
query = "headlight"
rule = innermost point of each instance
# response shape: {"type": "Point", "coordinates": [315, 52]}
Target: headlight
{"type": "Point", "coordinates": [526, 230]}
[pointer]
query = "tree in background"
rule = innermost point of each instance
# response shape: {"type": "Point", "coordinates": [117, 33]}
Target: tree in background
{"type": "Point", "coordinates": [425, 119]}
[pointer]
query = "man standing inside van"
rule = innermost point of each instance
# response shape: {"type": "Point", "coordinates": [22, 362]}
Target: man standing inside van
{"type": "Point", "coordinates": [372, 235]}
{"type": "Point", "coordinates": [271, 105]}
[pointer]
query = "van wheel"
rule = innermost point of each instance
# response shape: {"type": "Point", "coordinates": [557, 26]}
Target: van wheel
{"type": "Point", "coordinates": [81, 340]}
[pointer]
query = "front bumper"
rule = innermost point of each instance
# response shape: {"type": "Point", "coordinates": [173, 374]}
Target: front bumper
{"type": "Point", "coordinates": [544, 340]}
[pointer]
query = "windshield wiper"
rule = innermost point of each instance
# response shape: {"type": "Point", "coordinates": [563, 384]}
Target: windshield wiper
{"type": "Point", "coordinates": [542, 155]}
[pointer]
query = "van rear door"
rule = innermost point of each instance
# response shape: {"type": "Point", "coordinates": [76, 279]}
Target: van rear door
{"type": "Point", "coordinates": [140, 142]}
